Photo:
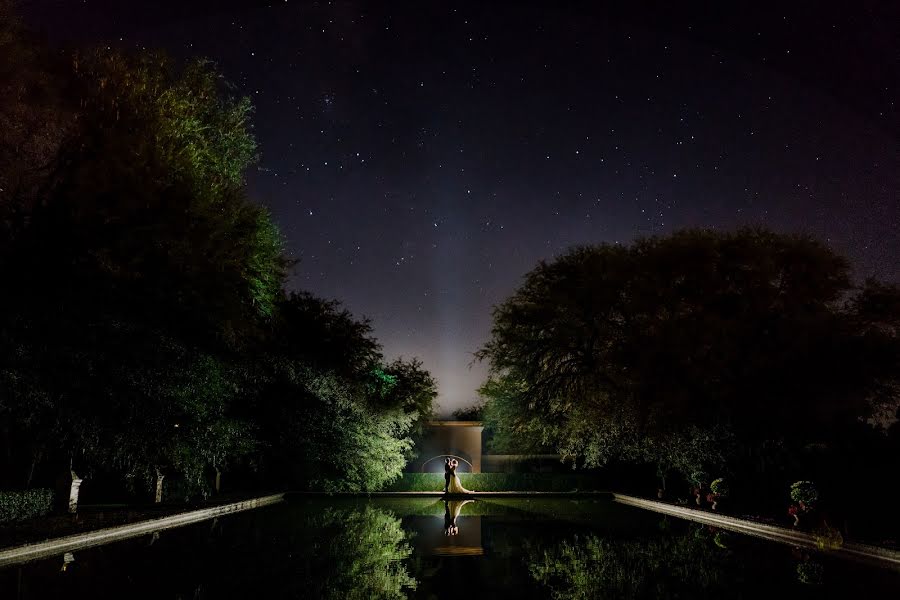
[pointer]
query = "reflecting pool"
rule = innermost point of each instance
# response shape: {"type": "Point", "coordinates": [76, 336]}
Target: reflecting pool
{"type": "Point", "coordinates": [428, 548]}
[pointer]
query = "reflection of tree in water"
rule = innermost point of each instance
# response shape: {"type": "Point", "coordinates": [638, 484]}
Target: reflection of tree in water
{"type": "Point", "coordinates": [359, 554]}
{"type": "Point", "coordinates": [671, 566]}
{"type": "Point", "coordinates": [312, 552]}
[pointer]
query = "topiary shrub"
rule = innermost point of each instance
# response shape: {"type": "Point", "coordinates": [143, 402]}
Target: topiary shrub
{"type": "Point", "coordinates": [719, 487]}
{"type": "Point", "coordinates": [828, 538]}
{"type": "Point", "coordinates": [718, 490]}
{"type": "Point", "coordinates": [804, 493]}
{"type": "Point", "coordinates": [27, 504]}
{"type": "Point", "coordinates": [699, 478]}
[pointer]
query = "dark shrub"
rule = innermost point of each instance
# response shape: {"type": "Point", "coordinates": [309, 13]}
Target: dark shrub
{"type": "Point", "coordinates": [17, 506]}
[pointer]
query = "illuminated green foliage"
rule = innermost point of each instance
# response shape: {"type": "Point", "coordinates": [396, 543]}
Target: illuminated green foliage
{"type": "Point", "coordinates": [324, 432]}
{"type": "Point", "coordinates": [413, 390]}
{"type": "Point", "coordinates": [170, 415]}
{"type": "Point", "coordinates": [160, 162]}
{"type": "Point", "coordinates": [805, 492]}
{"type": "Point", "coordinates": [387, 380]}
{"type": "Point", "coordinates": [332, 415]}
{"type": "Point", "coordinates": [354, 447]}
{"type": "Point", "coordinates": [359, 554]}
{"type": "Point", "coordinates": [206, 133]}
{"type": "Point", "coordinates": [671, 566]}
{"type": "Point", "coordinates": [380, 383]}
{"type": "Point", "coordinates": [720, 487]}
{"type": "Point", "coordinates": [510, 430]}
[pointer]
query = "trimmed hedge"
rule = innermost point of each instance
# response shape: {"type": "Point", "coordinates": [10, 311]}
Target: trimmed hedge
{"type": "Point", "coordinates": [17, 506]}
{"type": "Point", "coordinates": [410, 506]}
{"type": "Point", "coordinates": [500, 482]}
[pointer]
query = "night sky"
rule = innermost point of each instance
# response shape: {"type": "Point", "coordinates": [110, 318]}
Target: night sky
{"type": "Point", "coordinates": [421, 157]}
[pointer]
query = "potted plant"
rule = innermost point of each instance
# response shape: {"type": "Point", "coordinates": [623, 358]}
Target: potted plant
{"type": "Point", "coordinates": [795, 513]}
{"type": "Point", "coordinates": [699, 480]}
{"type": "Point", "coordinates": [827, 537]}
{"type": "Point", "coordinates": [804, 495]}
{"type": "Point", "coordinates": [718, 490]}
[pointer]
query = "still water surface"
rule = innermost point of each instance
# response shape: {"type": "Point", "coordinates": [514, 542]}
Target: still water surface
{"type": "Point", "coordinates": [400, 548]}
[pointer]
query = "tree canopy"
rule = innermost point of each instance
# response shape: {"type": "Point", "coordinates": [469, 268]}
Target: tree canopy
{"type": "Point", "coordinates": [664, 350]}
{"type": "Point", "coordinates": [145, 330]}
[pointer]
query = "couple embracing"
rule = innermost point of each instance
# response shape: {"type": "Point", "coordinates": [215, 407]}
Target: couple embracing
{"type": "Point", "coordinates": [452, 484]}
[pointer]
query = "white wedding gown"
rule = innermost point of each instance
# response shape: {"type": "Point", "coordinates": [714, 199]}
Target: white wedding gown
{"type": "Point", "coordinates": [456, 486]}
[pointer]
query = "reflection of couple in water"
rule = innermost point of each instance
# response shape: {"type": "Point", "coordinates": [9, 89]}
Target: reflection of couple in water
{"type": "Point", "coordinates": [451, 513]}
{"type": "Point", "coordinates": [452, 484]}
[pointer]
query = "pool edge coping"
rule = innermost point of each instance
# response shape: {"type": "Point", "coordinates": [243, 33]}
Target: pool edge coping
{"type": "Point", "coordinates": [884, 557]}
{"type": "Point", "coordinates": [98, 537]}
{"type": "Point", "coordinates": [28, 552]}
{"type": "Point", "coordinates": [439, 494]}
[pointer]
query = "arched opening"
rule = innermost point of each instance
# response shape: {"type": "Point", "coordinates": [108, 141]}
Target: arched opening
{"type": "Point", "coordinates": [441, 457]}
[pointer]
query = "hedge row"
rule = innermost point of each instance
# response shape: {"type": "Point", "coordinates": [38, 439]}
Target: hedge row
{"type": "Point", "coordinates": [500, 482]}
{"type": "Point", "coordinates": [16, 506]}
{"type": "Point", "coordinates": [433, 506]}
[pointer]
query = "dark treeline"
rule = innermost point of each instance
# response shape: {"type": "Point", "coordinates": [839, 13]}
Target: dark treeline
{"type": "Point", "coordinates": [145, 332]}
{"type": "Point", "coordinates": [676, 360]}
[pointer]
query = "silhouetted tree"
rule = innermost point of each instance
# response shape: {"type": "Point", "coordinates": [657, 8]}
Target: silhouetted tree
{"type": "Point", "coordinates": [628, 352]}
{"type": "Point", "coordinates": [475, 412]}
{"type": "Point", "coordinates": [323, 334]}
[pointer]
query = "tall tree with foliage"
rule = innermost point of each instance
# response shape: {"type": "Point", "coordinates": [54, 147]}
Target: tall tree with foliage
{"type": "Point", "coordinates": [146, 332]}
{"type": "Point", "coordinates": [323, 431]}
{"type": "Point", "coordinates": [155, 192]}
{"type": "Point", "coordinates": [138, 235]}
{"type": "Point", "coordinates": [332, 415]}
{"type": "Point", "coordinates": [626, 352]}
{"type": "Point", "coordinates": [323, 334]}
{"type": "Point", "coordinates": [35, 120]}
{"type": "Point", "coordinates": [412, 389]}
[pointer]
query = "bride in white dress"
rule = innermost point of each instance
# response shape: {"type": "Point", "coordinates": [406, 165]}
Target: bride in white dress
{"type": "Point", "coordinates": [456, 486]}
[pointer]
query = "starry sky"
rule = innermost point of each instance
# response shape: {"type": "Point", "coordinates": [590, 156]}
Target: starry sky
{"type": "Point", "coordinates": [421, 157]}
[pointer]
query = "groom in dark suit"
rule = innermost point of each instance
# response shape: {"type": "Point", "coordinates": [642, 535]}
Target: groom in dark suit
{"type": "Point", "coordinates": [447, 472]}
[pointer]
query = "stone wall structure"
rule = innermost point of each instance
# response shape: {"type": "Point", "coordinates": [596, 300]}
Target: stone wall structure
{"type": "Point", "coordinates": [461, 439]}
